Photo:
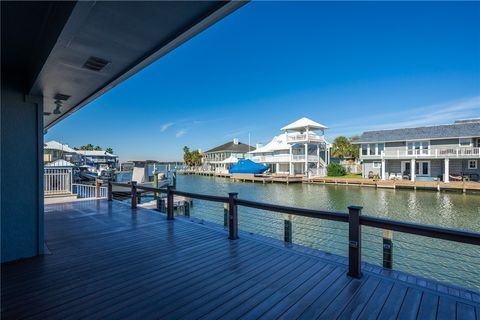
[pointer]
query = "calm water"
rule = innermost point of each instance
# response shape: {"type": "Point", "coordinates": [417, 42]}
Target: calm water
{"type": "Point", "coordinates": [442, 260]}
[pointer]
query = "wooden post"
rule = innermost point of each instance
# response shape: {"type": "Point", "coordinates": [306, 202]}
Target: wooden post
{"type": "Point", "coordinates": [232, 216]}
{"type": "Point", "coordinates": [225, 214]}
{"type": "Point", "coordinates": [174, 179]}
{"type": "Point", "coordinates": [354, 242]}
{"type": "Point", "coordinates": [155, 183]}
{"type": "Point", "coordinates": [97, 188]}
{"type": "Point", "coordinates": [287, 235]}
{"type": "Point", "coordinates": [110, 191]}
{"type": "Point", "coordinates": [134, 195]}
{"type": "Point", "coordinates": [186, 206]}
{"type": "Point", "coordinates": [170, 203]}
{"type": "Point", "coordinates": [387, 249]}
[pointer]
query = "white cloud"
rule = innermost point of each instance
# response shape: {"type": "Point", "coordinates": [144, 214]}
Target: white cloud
{"type": "Point", "coordinates": [165, 126]}
{"type": "Point", "coordinates": [181, 133]}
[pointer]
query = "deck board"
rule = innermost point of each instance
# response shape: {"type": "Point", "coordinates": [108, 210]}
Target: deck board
{"type": "Point", "coordinates": [109, 261]}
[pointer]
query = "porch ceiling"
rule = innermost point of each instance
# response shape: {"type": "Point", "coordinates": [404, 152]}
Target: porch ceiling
{"type": "Point", "coordinates": [47, 45]}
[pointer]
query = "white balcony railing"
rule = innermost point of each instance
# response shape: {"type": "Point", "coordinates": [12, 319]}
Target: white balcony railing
{"type": "Point", "coordinates": [303, 137]}
{"type": "Point", "coordinates": [428, 153]}
{"type": "Point", "coordinates": [272, 158]}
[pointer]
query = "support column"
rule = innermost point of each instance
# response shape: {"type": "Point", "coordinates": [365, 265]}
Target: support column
{"type": "Point", "coordinates": [412, 170]}
{"type": "Point", "coordinates": [290, 167]}
{"type": "Point", "coordinates": [446, 171]}
{"type": "Point", "coordinates": [318, 159]}
{"type": "Point", "coordinates": [306, 158]}
{"type": "Point", "coordinates": [383, 170]}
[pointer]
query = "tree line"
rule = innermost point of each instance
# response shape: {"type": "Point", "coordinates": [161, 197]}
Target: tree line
{"type": "Point", "coordinates": [192, 158]}
{"type": "Point", "coordinates": [90, 147]}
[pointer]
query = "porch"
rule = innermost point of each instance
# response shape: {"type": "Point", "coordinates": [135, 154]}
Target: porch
{"type": "Point", "coordinates": [107, 260]}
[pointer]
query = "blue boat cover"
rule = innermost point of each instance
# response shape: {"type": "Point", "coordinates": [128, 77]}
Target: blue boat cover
{"type": "Point", "coordinates": [247, 166]}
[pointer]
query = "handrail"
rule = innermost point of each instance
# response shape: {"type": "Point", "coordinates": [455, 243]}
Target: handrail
{"type": "Point", "coordinates": [326, 215]}
{"type": "Point", "coordinates": [354, 218]}
{"type": "Point", "coordinates": [450, 234]}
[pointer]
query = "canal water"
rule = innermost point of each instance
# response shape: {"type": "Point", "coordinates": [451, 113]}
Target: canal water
{"type": "Point", "coordinates": [445, 261]}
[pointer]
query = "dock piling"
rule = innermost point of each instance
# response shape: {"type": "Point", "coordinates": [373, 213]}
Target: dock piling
{"type": "Point", "coordinates": [287, 221]}
{"type": "Point", "coordinates": [170, 203]}
{"type": "Point", "coordinates": [387, 249]}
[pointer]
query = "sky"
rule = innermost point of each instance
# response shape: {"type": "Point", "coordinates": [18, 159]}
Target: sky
{"type": "Point", "coordinates": [350, 66]}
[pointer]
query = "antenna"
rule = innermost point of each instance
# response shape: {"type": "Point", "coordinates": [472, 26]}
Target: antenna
{"type": "Point", "coordinates": [249, 142]}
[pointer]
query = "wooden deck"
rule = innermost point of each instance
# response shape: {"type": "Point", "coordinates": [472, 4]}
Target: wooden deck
{"type": "Point", "coordinates": [109, 261]}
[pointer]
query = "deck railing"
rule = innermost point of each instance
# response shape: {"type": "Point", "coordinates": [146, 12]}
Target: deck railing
{"type": "Point", "coordinates": [89, 191]}
{"type": "Point", "coordinates": [57, 181]}
{"type": "Point", "coordinates": [354, 218]}
{"type": "Point", "coordinates": [461, 152]}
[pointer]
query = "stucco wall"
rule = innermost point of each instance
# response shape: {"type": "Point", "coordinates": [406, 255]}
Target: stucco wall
{"type": "Point", "coordinates": [21, 167]}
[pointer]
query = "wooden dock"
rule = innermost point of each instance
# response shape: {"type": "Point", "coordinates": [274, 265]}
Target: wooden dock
{"type": "Point", "coordinates": [110, 261]}
{"type": "Point", "coordinates": [244, 177]}
{"type": "Point", "coordinates": [465, 186]}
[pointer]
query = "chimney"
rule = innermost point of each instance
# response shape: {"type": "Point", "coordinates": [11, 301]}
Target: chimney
{"type": "Point", "coordinates": [258, 145]}
{"type": "Point", "coordinates": [235, 141]}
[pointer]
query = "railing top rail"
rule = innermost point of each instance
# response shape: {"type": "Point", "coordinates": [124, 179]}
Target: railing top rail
{"type": "Point", "coordinates": [201, 196]}
{"type": "Point", "coordinates": [326, 215]}
{"type": "Point", "coordinates": [456, 235]}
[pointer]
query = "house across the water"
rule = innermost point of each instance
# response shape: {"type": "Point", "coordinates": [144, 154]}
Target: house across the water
{"type": "Point", "coordinates": [442, 152]}
{"type": "Point", "coordinates": [300, 150]}
{"type": "Point", "coordinates": [220, 158]}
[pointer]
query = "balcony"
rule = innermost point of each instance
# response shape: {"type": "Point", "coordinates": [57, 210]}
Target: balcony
{"type": "Point", "coordinates": [272, 158]}
{"type": "Point", "coordinates": [305, 138]}
{"type": "Point", "coordinates": [433, 153]}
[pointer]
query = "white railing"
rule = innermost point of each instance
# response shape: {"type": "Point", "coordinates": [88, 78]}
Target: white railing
{"type": "Point", "coordinates": [277, 158]}
{"type": "Point", "coordinates": [88, 191]}
{"type": "Point", "coordinates": [57, 181]}
{"type": "Point", "coordinates": [305, 137]}
{"type": "Point", "coordinates": [428, 153]}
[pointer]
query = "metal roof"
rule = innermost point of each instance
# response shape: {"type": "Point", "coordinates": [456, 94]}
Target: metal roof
{"type": "Point", "coordinates": [456, 130]}
{"type": "Point", "coordinates": [304, 123]}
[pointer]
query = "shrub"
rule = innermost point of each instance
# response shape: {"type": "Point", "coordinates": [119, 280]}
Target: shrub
{"type": "Point", "coordinates": [336, 170]}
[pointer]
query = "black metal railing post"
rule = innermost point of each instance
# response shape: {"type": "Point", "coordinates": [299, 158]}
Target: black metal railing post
{"type": "Point", "coordinates": [134, 195]}
{"type": "Point", "coordinates": [232, 216]}
{"type": "Point", "coordinates": [110, 191]}
{"type": "Point", "coordinates": [354, 242]}
{"type": "Point", "coordinates": [170, 203]}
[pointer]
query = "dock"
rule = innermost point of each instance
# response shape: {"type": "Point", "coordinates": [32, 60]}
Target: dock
{"type": "Point", "coordinates": [465, 186]}
{"type": "Point", "coordinates": [246, 177]}
{"type": "Point", "coordinates": [110, 261]}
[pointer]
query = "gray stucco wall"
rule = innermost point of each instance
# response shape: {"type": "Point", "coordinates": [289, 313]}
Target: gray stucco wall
{"type": "Point", "coordinates": [458, 166]}
{"type": "Point", "coordinates": [367, 166]}
{"type": "Point", "coordinates": [21, 167]}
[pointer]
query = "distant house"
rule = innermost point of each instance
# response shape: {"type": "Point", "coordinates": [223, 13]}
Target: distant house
{"type": "Point", "coordinates": [441, 152]}
{"type": "Point", "coordinates": [222, 157]}
{"type": "Point", "coordinates": [53, 150]}
{"type": "Point", "coordinates": [99, 159]}
{"type": "Point", "coordinates": [300, 150]}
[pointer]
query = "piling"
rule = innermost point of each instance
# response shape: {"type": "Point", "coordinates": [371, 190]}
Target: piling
{"type": "Point", "coordinates": [287, 234]}
{"type": "Point", "coordinates": [225, 214]}
{"type": "Point", "coordinates": [387, 249]}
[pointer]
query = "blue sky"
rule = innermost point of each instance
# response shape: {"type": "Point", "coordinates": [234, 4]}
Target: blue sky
{"type": "Point", "coordinates": [350, 66]}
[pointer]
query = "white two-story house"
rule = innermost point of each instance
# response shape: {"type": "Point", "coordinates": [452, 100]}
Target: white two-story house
{"type": "Point", "coordinates": [442, 152]}
{"type": "Point", "coordinates": [300, 150]}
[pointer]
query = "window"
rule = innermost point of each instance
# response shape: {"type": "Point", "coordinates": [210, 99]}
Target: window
{"type": "Point", "coordinates": [380, 148]}
{"type": "Point", "coordinates": [418, 147]}
{"type": "Point", "coordinates": [472, 164]}
{"type": "Point", "coordinates": [377, 164]}
{"type": "Point", "coordinates": [465, 142]}
{"type": "Point", "coordinates": [364, 149]}
{"type": "Point", "coordinates": [371, 149]}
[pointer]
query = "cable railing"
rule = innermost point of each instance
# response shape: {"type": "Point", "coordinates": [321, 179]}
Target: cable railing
{"type": "Point", "coordinates": [354, 235]}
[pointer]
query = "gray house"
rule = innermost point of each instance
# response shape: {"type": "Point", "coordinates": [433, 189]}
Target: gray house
{"type": "Point", "coordinates": [443, 152]}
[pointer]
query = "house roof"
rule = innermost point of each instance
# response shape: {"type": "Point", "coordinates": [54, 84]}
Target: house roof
{"type": "Point", "coordinates": [232, 146]}
{"type": "Point", "coordinates": [55, 145]}
{"type": "Point", "coordinates": [304, 123]}
{"type": "Point", "coordinates": [456, 130]}
{"type": "Point", "coordinates": [277, 143]}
